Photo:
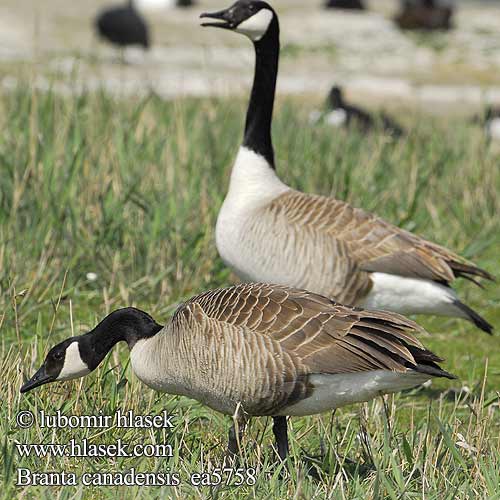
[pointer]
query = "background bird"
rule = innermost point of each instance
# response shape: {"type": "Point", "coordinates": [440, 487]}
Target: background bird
{"type": "Point", "coordinates": [490, 121]}
{"type": "Point", "coordinates": [123, 26]}
{"type": "Point", "coordinates": [345, 4]}
{"type": "Point", "coordinates": [425, 15]}
{"type": "Point", "coordinates": [154, 5]}
{"type": "Point", "coordinates": [339, 113]}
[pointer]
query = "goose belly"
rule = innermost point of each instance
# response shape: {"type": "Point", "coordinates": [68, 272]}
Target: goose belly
{"type": "Point", "coordinates": [218, 401]}
{"type": "Point", "coordinates": [333, 391]}
{"type": "Point", "coordinates": [183, 382]}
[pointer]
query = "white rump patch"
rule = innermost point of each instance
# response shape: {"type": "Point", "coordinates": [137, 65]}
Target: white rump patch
{"type": "Point", "coordinates": [336, 118]}
{"type": "Point", "coordinates": [410, 296]}
{"type": "Point", "coordinates": [334, 391]}
{"type": "Point", "coordinates": [74, 366]}
{"type": "Point", "coordinates": [255, 27]}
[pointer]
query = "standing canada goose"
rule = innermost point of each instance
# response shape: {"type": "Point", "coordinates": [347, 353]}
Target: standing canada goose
{"type": "Point", "coordinates": [425, 15]}
{"type": "Point", "coordinates": [345, 4]}
{"type": "Point", "coordinates": [339, 113]}
{"type": "Point", "coordinates": [122, 25]}
{"type": "Point", "coordinates": [268, 232]}
{"type": "Point", "coordinates": [257, 350]}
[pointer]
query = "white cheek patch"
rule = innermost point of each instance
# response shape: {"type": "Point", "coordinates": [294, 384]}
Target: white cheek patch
{"type": "Point", "coordinates": [255, 27]}
{"type": "Point", "coordinates": [74, 366]}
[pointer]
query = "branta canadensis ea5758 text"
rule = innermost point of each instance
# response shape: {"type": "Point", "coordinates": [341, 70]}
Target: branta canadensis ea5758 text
{"type": "Point", "coordinates": [339, 113]}
{"type": "Point", "coordinates": [345, 4]}
{"type": "Point", "coordinates": [425, 15]}
{"type": "Point", "coordinates": [268, 232]}
{"type": "Point", "coordinates": [123, 26]}
{"type": "Point", "coordinates": [257, 350]}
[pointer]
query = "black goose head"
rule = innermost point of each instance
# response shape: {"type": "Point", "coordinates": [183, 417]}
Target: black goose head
{"type": "Point", "coordinates": [252, 18]}
{"type": "Point", "coordinates": [78, 356]}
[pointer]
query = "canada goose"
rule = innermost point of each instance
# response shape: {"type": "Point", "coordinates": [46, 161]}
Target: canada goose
{"type": "Point", "coordinates": [268, 232]}
{"type": "Point", "coordinates": [255, 350]}
{"type": "Point", "coordinates": [490, 120]}
{"type": "Point", "coordinates": [122, 25]}
{"type": "Point", "coordinates": [425, 15]}
{"type": "Point", "coordinates": [341, 114]}
{"type": "Point", "coordinates": [345, 4]}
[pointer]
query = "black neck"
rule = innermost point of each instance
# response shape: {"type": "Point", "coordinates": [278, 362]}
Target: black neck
{"type": "Point", "coordinates": [129, 325]}
{"type": "Point", "coordinates": [260, 109]}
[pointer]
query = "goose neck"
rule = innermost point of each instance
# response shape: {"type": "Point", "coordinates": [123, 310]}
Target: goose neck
{"type": "Point", "coordinates": [129, 325]}
{"type": "Point", "coordinates": [260, 108]}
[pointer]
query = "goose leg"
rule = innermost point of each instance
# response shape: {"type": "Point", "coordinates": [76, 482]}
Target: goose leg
{"type": "Point", "coordinates": [236, 433]}
{"type": "Point", "coordinates": [281, 435]}
{"type": "Point", "coordinates": [235, 436]}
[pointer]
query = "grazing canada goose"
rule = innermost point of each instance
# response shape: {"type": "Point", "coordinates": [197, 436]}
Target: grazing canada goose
{"type": "Point", "coordinates": [123, 26]}
{"type": "Point", "coordinates": [345, 4]}
{"type": "Point", "coordinates": [425, 15]}
{"type": "Point", "coordinates": [268, 232]}
{"type": "Point", "coordinates": [341, 114]}
{"type": "Point", "coordinates": [255, 350]}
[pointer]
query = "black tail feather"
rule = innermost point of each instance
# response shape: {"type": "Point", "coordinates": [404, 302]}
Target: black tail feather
{"type": "Point", "coordinates": [427, 362]}
{"type": "Point", "coordinates": [461, 270]}
{"type": "Point", "coordinates": [474, 317]}
{"type": "Point", "coordinates": [434, 371]}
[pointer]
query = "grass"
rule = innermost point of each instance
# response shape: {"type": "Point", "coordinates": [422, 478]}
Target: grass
{"type": "Point", "coordinates": [130, 191]}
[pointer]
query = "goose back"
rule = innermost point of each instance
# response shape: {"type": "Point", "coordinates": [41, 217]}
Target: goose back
{"type": "Point", "coordinates": [326, 245]}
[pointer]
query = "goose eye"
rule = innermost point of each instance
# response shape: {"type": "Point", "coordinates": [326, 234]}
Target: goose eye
{"type": "Point", "coordinates": [57, 355]}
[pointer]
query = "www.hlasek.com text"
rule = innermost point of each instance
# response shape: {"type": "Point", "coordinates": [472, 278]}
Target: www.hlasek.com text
{"type": "Point", "coordinates": [87, 449]}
